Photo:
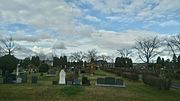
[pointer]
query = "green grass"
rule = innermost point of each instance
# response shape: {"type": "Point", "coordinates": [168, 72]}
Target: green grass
{"type": "Point", "coordinates": [45, 91]}
{"type": "Point", "coordinates": [72, 90]}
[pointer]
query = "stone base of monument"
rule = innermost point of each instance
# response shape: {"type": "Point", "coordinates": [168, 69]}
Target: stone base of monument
{"type": "Point", "coordinates": [108, 85]}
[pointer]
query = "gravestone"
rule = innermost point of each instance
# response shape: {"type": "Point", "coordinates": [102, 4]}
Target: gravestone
{"type": "Point", "coordinates": [62, 77]}
{"type": "Point", "coordinates": [34, 79]}
{"type": "Point", "coordinates": [18, 80]}
{"type": "Point", "coordinates": [51, 72]}
{"type": "Point", "coordinates": [100, 81]}
{"type": "Point", "coordinates": [69, 82]}
{"type": "Point", "coordinates": [140, 77]}
{"type": "Point", "coordinates": [119, 82]}
{"type": "Point", "coordinates": [77, 82]}
{"type": "Point", "coordinates": [85, 81]}
{"type": "Point", "coordinates": [110, 80]}
{"type": "Point", "coordinates": [0, 73]}
{"type": "Point", "coordinates": [24, 77]}
{"type": "Point", "coordinates": [9, 78]}
{"type": "Point", "coordinates": [54, 82]}
{"type": "Point", "coordinates": [1, 80]}
{"type": "Point", "coordinates": [1, 77]}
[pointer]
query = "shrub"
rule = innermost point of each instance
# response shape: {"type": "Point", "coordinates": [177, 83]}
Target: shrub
{"type": "Point", "coordinates": [43, 68]}
{"type": "Point", "coordinates": [132, 76]}
{"type": "Point", "coordinates": [161, 83]}
{"type": "Point", "coordinates": [85, 81]}
{"type": "Point", "coordinates": [71, 77]}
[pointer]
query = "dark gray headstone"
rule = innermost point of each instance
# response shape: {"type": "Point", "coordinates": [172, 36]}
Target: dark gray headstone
{"type": "Point", "coordinates": [85, 81]}
{"type": "Point", "coordinates": [77, 82]}
{"type": "Point", "coordinates": [55, 82]}
{"type": "Point", "coordinates": [34, 79]}
{"type": "Point", "coordinates": [0, 73]}
{"type": "Point", "coordinates": [119, 82]}
{"type": "Point", "coordinates": [1, 80]}
{"type": "Point", "coordinates": [9, 78]}
{"type": "Point", "coordinates": [110, 80]}
{"type": "Point", "coordinates": [100, 81]}
{"type": "Point", "coordinates": [69, 82]}
{"type": "Point", "coordinates": [24, 77]}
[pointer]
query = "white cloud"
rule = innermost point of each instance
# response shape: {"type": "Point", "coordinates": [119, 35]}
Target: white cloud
{"type": "Point", "coordinates": [73, 35]}
{"type": "Point", "coordinates": [22, 36]}
{"type": "Point", "coordinates": [92, 18]}
{"type": "Point", "coordinates": [44, 50]}
{"type": "Point", "coordinates": [142, 10]}
{"type": "Point", "coordinates": [116, 40]}
{"type": "Point", "coordinates": [170, 23]}
{"type": "Point", "coordinates": [59, 45]}
{"type": "Point", "coordinates": [58, 15]}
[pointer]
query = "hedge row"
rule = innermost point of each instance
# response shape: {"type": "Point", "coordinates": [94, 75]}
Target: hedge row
{"type": "Point", "coordinates": [126, 73]}
{"type": "Point", "coordinates": [160, 83]}
{"type": "Point", "coordinates": [132, 76]}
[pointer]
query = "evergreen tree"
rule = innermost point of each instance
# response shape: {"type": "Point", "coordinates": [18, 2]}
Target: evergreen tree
{"type": "Point", "coordinates": [56, 62]}
{"type": "Point", "coordinates": [118, 62]}
{"type": "Point", "coordinates": [64, 61]}
{"type": "Point", "coordinates": [178, 60]}
{"type": "Point", "coordinates": [35, 61]}
{"type": "Point", "coordinates": [159, 60]}
{"type": "Point", "coordinates": [43, 68]}
{"type": "Point", "coordinates": [8, 63]}
{"type": "Point", "coordinates": [163, 62]}
{"type": "Point", "coordinates": [158, 65]}
{"type": "Point", "coordinates": [174, 61]}
{"type": "Point", "coordinates": [26, 62]}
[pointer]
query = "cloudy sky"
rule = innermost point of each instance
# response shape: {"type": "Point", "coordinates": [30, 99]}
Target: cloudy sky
{"type": "Point", "coordinates": [65, 26]}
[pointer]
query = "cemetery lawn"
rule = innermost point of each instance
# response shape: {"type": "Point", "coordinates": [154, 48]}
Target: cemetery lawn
{"type": "Point", "coordinates": [45, 91]}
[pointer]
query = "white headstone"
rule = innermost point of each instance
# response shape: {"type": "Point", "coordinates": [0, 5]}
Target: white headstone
{"type": "Point", "coordinates": [62, 77]}
{"type": "Point", "coordinates": [19, 80]}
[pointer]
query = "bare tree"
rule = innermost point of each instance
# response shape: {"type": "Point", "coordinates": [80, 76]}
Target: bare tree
{"type": "Point", "coordinates": [147, 48]}
{"type": "Point", "coordinates": [8, 45]}
{"type": "Point", "coordinates": [125, 52]}
{"type": "Point", "coordinates": [77, 56]}
{"type": "Point", "coordinates": [91, 54]}
{"type": "Point", "coordinates": [104, 57]}
{"type": "Point", "coordinates": [174, 43]}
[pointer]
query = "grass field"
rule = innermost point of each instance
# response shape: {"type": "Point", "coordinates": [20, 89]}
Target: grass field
{"type": "Point", "coordinates": [45, 91]}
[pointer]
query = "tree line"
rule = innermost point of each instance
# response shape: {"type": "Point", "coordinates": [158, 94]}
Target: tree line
{"type": "Point", "coordinates": [145, 48]}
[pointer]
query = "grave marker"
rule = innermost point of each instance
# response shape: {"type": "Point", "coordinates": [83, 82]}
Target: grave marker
{"type": "Point", "coordinates": [62, 77]}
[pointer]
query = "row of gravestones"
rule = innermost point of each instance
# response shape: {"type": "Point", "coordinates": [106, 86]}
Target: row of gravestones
{"type": "Point", "coordinates": [64, 81]}
{"type": "Point", "coordinates": [12, 78]}
{"type": "Point", "coordinates": [110, 81]}
{"type": "Point", "coordinates": [85, 81]}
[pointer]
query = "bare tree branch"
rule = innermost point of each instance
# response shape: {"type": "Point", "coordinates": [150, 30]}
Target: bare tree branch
{"type": "Point", "coordinates": [174, 43]}
{"type": "Point", "coordinates": [77, 56]}
{"type": "Point", "coordinates": [8, 45]}
{"type": "Point", "coordinates": [147, 48]}
{"type": "Point", "coordinates": [91, 54]}
{"type": "Point", "coordinates": [125, 52]}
